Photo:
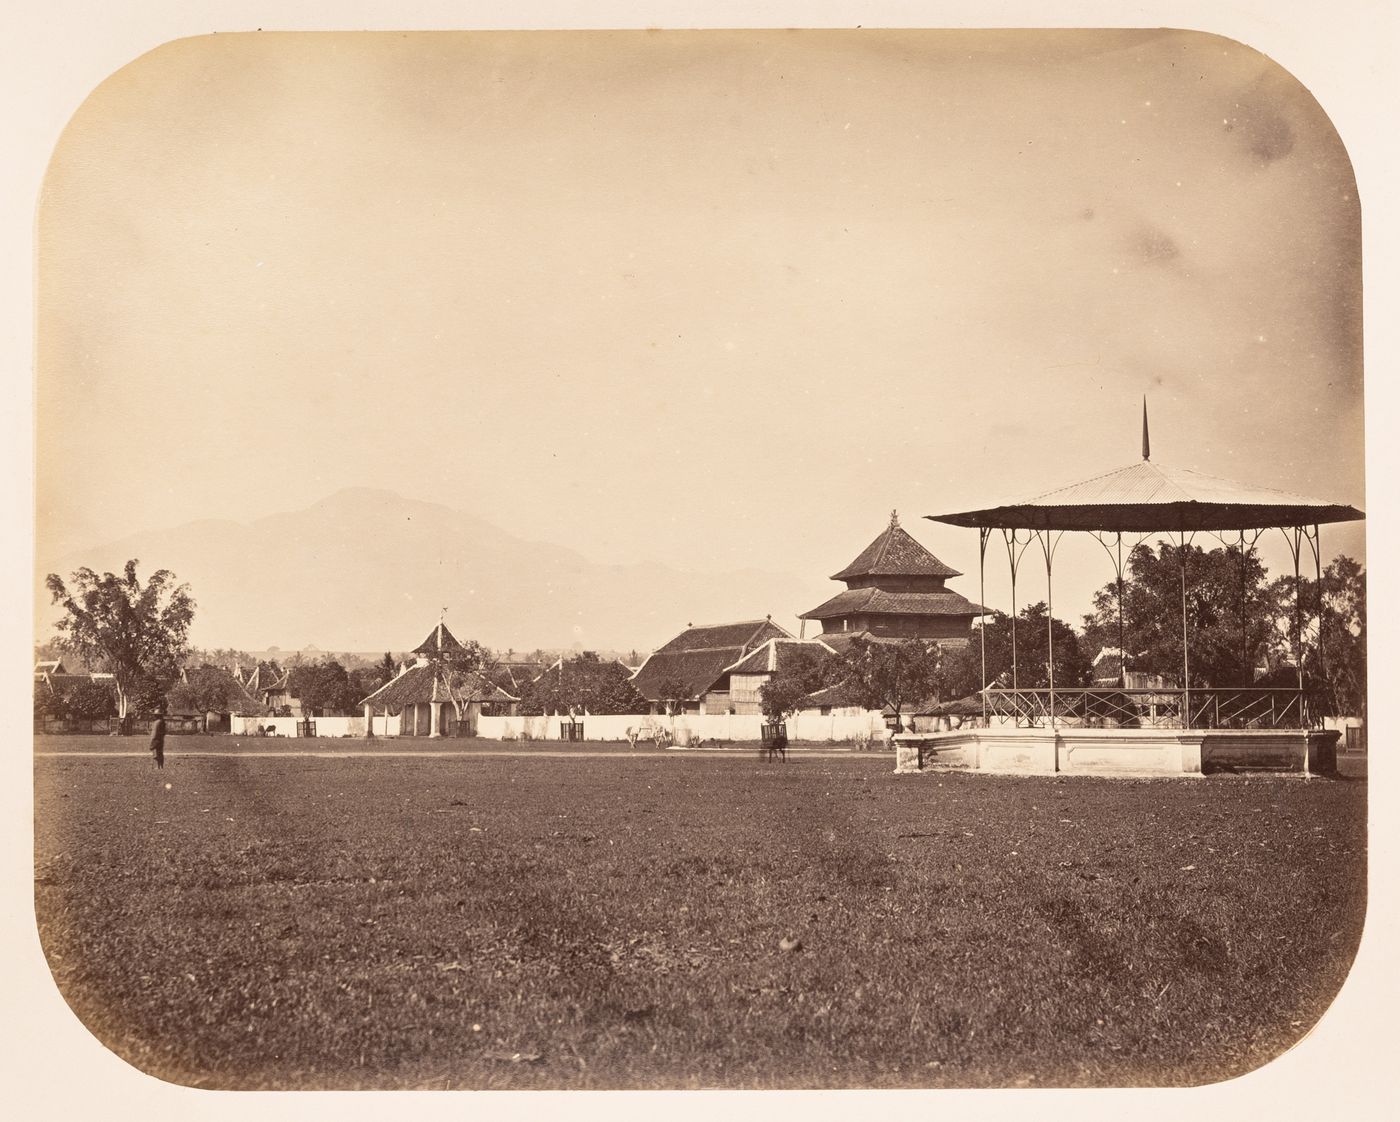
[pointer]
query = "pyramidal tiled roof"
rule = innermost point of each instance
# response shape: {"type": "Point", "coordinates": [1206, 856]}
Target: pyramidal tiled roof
{"type": "Point", "coordinates": [895, 554]}
{"type": "Point", "coordinates": [440, 642]}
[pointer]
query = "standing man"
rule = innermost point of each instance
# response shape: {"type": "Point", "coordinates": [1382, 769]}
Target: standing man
{"type": "Point", "coordinates": [158, 738]}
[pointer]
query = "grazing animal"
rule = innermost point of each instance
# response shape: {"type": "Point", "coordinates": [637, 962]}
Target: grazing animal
{"type": "Point", "coordinates": [656, 733]}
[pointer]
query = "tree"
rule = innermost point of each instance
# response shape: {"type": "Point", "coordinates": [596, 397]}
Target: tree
{"type": "Point", "coordinates": [583, 685]}
{"type": "Point", "coordinates": [1229, 609]}
{"type": "Point", "coordinates": [1032, 659]}
{"type": "Point", "coordinates": [136, 633]}
{"type": "Point", "coordinates": [323, 686]}
{"type": "Point", "coordinates": [884, 675]}
{"type": "Point", "coordinates": [800, 674]}
{"type": "Point", "coordinates": [1334, 646]}
{"type": "Point", "coordinates": [672, 692]}
{"type": "Point", "coordinates": [209, 689]}
{"type": "Point", "coordinates": [458, 671]}
{"type": "Point", "coordinates": [89, 698]}
{"type": "Point", "coordinates": [366, 679]}
{"type": "Point", "coordinates": [960, 670]}
{"type": "Point", "coordinates": [47, 702]}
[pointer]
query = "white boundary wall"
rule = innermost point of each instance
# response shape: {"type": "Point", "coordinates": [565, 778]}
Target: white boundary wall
{"type": "Point", "coordinates": [325, 726]}
{"type": "Point", "coordinates": [859, 724]}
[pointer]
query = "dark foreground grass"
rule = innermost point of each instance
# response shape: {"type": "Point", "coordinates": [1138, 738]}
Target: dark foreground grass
{"type": "Point", "coordinates": [616, 922]}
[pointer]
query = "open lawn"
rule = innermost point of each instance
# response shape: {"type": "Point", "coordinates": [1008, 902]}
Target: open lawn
{"type": "Point", "coordinates": [680, 920]}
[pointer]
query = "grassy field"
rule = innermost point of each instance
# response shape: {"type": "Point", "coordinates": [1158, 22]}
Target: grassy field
{"type": "Point", "coordinates": [684, 921]}
{"type": "Point", "coordinates": [292, 745]}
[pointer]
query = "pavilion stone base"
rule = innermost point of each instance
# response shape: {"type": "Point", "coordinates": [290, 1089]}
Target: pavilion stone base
{"type": "Point", "coordinates": [1076, 751]}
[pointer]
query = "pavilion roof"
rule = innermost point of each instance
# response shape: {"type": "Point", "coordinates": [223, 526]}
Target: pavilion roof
{"type": "Point", "coordinates": [424, 683]}
{"type": "Point", "coordinates": [440, 643]}
{"type": "Point", "coordinates": [1145, 497]}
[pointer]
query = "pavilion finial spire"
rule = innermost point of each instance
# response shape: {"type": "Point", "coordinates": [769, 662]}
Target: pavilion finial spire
{"type": "Point", "coordinates": [1146, 446]}
{"type": "Point", "coordinates": [894, 520]}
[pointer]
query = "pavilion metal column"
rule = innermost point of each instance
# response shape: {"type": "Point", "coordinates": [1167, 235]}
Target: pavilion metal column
{"type": "Point", "coordinates": [983, 533]}
{"type": "Point", "coordinates": [1244, 612]}
{"type": "Point", "coordinates": [1317, 568]}
{"type": "Point", "coordinates": [1122, 631]}
{"type": "Point", "coordinates": [1185, 641]}
{"type": "Point", "coordinates": [1047, 546]}
{"type": "Point", "coordinates": [1294, 536]}
{"type": "Point", "coordinates": [1013, 556]}
{"type": "Point", "coordinates": [1115, 555]}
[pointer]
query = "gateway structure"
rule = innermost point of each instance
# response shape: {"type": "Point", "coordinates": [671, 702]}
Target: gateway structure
{"type": "Point", "coordinates": [1158, 730]}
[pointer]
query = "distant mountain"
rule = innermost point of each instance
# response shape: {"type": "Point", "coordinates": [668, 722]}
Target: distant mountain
{"type": "Point", "coordinates": [370, 570]}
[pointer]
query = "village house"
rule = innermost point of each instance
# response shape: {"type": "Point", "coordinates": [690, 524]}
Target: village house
{"type": "Point", "coordinates": [435, 695]}
{"type": "Point", "coordinates": [1108, 671]}
{"type": "Point", "coordinates": [895, 590]}
{"type": "Point", "coordinates": [741, 682]}
{"type": "Point", "coordinates": [687, 674]}
{"type": "Point", "coordinates": [52, 673]}
{"type": "Point", "coordinates": [270, 686]}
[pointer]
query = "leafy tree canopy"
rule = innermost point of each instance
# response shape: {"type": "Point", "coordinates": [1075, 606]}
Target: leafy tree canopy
{"type": "Point", "coordinates": [583, 685]}
{"type": "Point", "coordinates": [323, 687]}
{"type": "Point", "coordinates": [1229, 613]}
{"type": "Point", "coordinates": [1334, 645]}
{"type": "Point", "coordinates": [136, 632]}
{"type": "Point", "coordinates": [210, 689]}
{"type": "Point", "coordinates": [897, 676]}
{"type": "Point", "coordinates": [1032, 658]}
{"type": "Point", "coordinates": [800, 674]}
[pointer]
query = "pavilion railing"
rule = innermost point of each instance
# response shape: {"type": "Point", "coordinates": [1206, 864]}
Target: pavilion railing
{"type": "Point", "coordinates": [1201, 708]}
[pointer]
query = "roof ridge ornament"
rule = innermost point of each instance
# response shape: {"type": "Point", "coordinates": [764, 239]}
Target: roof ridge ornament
{"type": "Point", "coordinates": [1146, 446]}
{"type": "Point", "coordinates": [894, 520]}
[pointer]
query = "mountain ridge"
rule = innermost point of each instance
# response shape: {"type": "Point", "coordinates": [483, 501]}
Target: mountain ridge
{"type": "Point", "coordinates": [367, 568]}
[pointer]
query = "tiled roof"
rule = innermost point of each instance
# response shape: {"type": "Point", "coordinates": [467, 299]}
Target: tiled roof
{"type": "Point", "coordinates": [440, 642]}
{"type": "Point", "coordinates": [1145, 497]}
{"type": "Point", "coordinates": [746, 634]}
{"type": "Point", "coordinates": [423, 683]}
{"type": "Point", "coordinates": [895, 554]}
{"type": "Point", "coordinates": [876, 601]}
{"type": "Point", "coordinates": [698, 655]}
{"type": "Point", "coordinates": [694, 671]}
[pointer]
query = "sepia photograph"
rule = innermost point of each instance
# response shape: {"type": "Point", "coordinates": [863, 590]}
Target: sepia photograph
{"type": "Point", "coordinates": [699, 559]}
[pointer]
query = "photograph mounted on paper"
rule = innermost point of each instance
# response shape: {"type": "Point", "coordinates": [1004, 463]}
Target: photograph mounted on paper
{"type": "Point", "coordinates": [699, 559]}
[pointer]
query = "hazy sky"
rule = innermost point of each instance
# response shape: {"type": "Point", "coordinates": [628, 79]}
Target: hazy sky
{"type": "Point", "coordinates": [714, 299]}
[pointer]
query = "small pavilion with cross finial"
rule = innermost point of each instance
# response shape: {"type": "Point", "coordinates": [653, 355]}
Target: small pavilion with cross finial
{"type": "Point", "coordinates": [440, 694]}
{"type": "Point", "coordinates": [895, 590]}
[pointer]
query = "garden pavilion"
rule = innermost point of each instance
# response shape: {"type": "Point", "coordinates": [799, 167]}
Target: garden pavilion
{"type": "Point", "coordinates": [1177, 729]}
